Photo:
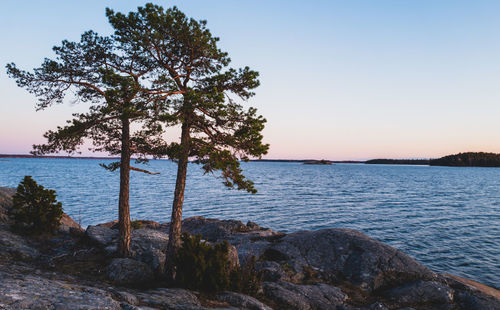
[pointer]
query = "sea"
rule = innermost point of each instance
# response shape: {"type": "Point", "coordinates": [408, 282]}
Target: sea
{"type": "Point", "coordinates": [448, 218]}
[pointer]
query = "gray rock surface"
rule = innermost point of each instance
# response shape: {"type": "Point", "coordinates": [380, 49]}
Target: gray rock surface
{"type": "Point", "coordinates": [101, 235]}
{"type": "Point", "coordinates": [6, 194]}
{"type": "Point", "coordinates": [271, 271]}
{"type": "Point", "coordinates": [250, 239]}
{"type": "Point", "coordinates": [16, 247]}
{"type": "Point", "coordinates": [169, 298]}
{"type": "Point", "coordinates": [304, 297]}
{"type": "Point", "coordinates": [20, 290]}
{"type": "Point", "coordinates": [126, 271]}
{"type": "Point", "coordinates": [348, 254]}
{"type": "Point", "coordinates": [420, 293]}
{"type": "Point", "coordinates": [241, 301]}
{"type": "Point", "coordinates": [149, 246]}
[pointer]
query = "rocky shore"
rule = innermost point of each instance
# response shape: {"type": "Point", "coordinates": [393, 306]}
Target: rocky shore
{"type": "Point", "coordinates": [326, 269]}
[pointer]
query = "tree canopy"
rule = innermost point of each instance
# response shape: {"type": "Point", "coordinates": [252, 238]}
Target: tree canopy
{"type": "Point", "coordinates": [113, 79]}
{"type": "Point", "coordinates": [216, 131]}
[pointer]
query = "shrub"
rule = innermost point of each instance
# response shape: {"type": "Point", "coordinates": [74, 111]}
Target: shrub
{"type": "Point", "coordinates": [246, 279]}
{"type": "Point", "coordinates": [35, 209]}
{"type": "Point", "coordinates": [205, 267]}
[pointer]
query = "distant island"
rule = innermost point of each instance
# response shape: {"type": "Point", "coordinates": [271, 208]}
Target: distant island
{"type": "Point", "coordinates": [469, 159]}
{"type": "Point", "coordinates": [318, 162]}
{"type": "Point", "coordinates": [384, 161]}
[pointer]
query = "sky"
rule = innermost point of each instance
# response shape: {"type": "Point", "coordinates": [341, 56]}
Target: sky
{"type": "Point", "coordinates": [340, 80]}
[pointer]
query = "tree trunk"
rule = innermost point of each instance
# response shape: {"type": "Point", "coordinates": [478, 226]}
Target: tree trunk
{"type": "Point", "coordinates": [123, 204]}
{"type": "Point", "coordinates": [174, 237]}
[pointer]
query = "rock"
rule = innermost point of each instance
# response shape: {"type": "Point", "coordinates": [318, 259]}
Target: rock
{"type": "Point", "coordinates": [460, 283]}
{"type": "Point", "coordinates": [242, 301]}
{"type": "Point", "coordinates": [16, 247]}
{"type": "Point", "coordinates": [271, 271]}
{"type": "Point", "coordinates": [348, 254]}
{"type": "Point", "coordinates": [149, 246]}
{"type": "Point", "coordinates": [6, 194]}
{"type": "Point", "coordinates": [169, 298]}
{"type": "Point", "coordinates": [68, 225]}
{"type": "Point", "coordinates": [21, 290]}
{"type": "Point", "coordinates": [126, 271]}
{"type": "Point", "coordinates": [304, 297]}
{"type": "Point", "coordinates": [212, 230]}
{"type": "Point", "coordinates": [377, 306]}
{"type": "Point", "coordinates": [101, 235]}
{"type": "Point", "coordinates": [420, 293]}
{"type": "Point", "coordinates": [474, 300]}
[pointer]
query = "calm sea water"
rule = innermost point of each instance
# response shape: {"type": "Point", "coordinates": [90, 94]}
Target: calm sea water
{"type": "Point", "coordinates": [448, 218]}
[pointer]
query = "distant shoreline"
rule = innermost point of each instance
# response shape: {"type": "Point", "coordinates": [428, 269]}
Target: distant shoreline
{"type": "Point", "coordinates": [468, 159]}
{"type": "Point", "coordinates": [53, 156]}
{"type": "Point", "coordinates": [102, 157]}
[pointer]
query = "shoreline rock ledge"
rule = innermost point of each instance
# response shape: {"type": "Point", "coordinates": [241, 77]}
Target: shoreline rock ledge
{"type": "Point", "coordinates": [337, 269]}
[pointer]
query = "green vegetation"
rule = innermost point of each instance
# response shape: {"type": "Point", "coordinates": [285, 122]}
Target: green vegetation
{"type": "Point", "coordinates": [205, 267]}
{"type": "Point", "coordinates": [35, 209]}
{"type": "Point", "coordinates": [398, 161]}
{"type": "Point", "coordinates": [114, 79]}
{"type": "Point", "coordinates": [159, 69]}
{"type": "Point", "coordinates": [469, 159]}
{"type": "Point", "coordinates": [216, 131]}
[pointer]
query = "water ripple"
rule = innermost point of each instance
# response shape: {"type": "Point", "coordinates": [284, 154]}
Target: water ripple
{"type": "Point", "coordinates": [448, 218]}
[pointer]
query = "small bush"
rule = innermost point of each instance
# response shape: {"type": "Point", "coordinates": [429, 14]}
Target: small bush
{"type": "Point", "coordinates": [35, 209]}
{"type": "Point", "coordinates": [246, 279]}
{"type": "Point", "coordinates": [201, 266]}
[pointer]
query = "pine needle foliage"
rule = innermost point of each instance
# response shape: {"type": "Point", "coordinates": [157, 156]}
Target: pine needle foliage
{"type": "Point", "coordinates": [207, 268]}
{"type": "Point", "coordinates": [35, 209]}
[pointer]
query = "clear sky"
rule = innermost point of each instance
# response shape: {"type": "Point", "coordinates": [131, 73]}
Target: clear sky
{"type": "Point", "coordinates": [340, 80]}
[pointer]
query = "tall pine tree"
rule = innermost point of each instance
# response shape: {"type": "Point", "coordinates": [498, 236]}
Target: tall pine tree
{"type": "Point", "coordinates": [100, 71]}
{"type": "Point", "coordinates": [216, 131]}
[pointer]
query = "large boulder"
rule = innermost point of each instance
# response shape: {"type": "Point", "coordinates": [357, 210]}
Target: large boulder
{"type": "Point", "coordinates": [345, 254]}
{"type": "Point", "coordinates": [249, 240]}
{"type": "Point", "coordinates": [101, 235]}
{"type": "Point", "coordinates": [126, 271]}
{"type": "Point", "coordinates": [149, 246]}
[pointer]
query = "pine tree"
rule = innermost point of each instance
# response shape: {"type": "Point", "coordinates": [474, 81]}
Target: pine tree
{"type": "Point", "coordinates": [35, 209]}
{"type": "Point", "coordinates": [100, 71]}
{"type": "Point", "coordinates": [216, 131]}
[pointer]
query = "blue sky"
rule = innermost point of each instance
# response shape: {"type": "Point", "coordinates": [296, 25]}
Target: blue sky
{"type": "Point", "coordinates": [339, 79]}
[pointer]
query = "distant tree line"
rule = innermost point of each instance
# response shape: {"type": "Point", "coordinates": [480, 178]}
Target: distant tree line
{"type": "Point", "coordinates": [398, 161]}
{"type": "Point", "coordinates": [469, 159]}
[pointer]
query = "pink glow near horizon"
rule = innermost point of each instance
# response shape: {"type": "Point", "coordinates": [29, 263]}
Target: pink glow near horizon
{"type": "Point", "coordinates": [339, 80]}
